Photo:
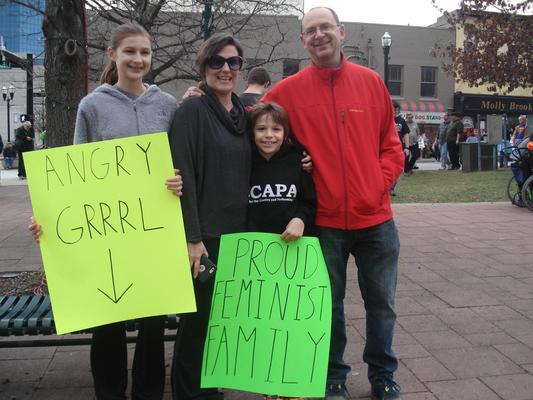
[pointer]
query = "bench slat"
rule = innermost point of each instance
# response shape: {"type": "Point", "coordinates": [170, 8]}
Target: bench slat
{"type": "Point", "coordinates": [17, 307]}
{"type": "Point", "coordinates": [35, 319]}
{"type": "Point", "coordinates": [20, 323]}
{"type": "Point", "coordinates": [6, 303]}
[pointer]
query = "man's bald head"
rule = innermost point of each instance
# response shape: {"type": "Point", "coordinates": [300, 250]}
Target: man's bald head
{"type": "Point", "coordinates": [333, 13]}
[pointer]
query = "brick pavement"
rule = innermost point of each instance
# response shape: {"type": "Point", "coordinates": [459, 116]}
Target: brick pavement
{"type": "Point", "coordinates": [464, 301]}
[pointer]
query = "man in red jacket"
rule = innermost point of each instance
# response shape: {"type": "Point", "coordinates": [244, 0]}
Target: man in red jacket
{"type": "Point", "coordinates": [342, 113]}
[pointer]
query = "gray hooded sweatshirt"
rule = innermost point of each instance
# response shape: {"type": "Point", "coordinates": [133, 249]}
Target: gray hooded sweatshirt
{"type": "Point", "coordinates": [107, 113]}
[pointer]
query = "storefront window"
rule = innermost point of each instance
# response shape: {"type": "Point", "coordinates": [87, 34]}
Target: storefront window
{"type": "Point", "coordinates": [428, 82]}
{"type": "Point", "coordinates": [395, 79]}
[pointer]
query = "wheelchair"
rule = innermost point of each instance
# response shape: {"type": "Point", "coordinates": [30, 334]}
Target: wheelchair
{"type": "Point", "coordinates": [520, 185]}
{"type": "Point", "coordinates": [527, 187]}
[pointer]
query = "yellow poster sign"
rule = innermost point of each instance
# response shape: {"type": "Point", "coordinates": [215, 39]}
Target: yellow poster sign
{"type": "Point", "coordinates": [113, 242]}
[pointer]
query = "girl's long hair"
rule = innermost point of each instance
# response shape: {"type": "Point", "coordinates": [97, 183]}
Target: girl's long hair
{"type": "Point", "coordinates": [121, 32]}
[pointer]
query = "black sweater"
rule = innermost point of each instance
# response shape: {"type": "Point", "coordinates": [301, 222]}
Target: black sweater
{"type": "Point", "coordinates": [211, 147]}
{"type": "Point", "coordinates": [279, 191]}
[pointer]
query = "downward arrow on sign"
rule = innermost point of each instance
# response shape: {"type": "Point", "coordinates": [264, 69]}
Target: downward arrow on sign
{"type": "Point", "coordinates": [114, 299]}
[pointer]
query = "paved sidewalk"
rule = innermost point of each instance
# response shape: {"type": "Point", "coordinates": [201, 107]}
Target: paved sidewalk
{"type": "Point", "coordinates": [464, 300]}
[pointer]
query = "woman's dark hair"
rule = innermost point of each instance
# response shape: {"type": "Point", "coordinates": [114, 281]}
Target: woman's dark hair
{"type": "Point", "coordinates": [121, 32]}
{"type": "Point", "coordinates": [275, 111]}
{"type": "Point", "coordinates": [212, 46]}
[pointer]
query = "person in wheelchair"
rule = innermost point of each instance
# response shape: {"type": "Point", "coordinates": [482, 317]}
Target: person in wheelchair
{"type": "Point", "coordinates": [522, 167]}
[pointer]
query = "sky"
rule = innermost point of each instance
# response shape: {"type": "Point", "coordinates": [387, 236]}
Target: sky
{"type": "Point", "coordinates": [394, 12]}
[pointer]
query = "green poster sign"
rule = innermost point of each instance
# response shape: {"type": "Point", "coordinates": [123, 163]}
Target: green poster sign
{"type": "Point", "coordinates": [270, 322]}
{"type": "Point", "coordinates": [113, 243]}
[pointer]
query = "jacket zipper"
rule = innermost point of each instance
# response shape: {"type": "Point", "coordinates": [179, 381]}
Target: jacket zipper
{"type": "Point", "coordinates": [341, 154]}
{"type": "Point", "coordinates": [136, 117]}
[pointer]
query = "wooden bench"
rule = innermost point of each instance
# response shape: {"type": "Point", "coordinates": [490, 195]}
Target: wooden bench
{"type": "Point", "coordinates": [31, 315]}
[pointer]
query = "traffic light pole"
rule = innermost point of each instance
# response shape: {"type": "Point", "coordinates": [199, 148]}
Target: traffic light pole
{"type": "Point", "coordinates": [26, 65]}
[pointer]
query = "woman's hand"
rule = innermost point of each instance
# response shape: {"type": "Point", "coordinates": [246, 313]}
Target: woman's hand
{"type": "Point", "coordinates": [175, 184]}
{"type": "Point", "coordinates": [294, 230]}
{"type": "Point", "coordinates": [307, 163]}
{"type": "Point", "coordinates": [35, 229]}
{"type": "Point", "coordinates": [196, 250]}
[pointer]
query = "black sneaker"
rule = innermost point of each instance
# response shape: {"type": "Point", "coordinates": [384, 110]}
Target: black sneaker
{"type": "Point", "coordinates": [385, 389]}
{"type": "Point", "coordinates": [336, 391]}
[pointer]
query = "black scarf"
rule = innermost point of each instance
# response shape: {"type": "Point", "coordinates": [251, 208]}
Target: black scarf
{"type": "Point", "coordinates": [234, 121]}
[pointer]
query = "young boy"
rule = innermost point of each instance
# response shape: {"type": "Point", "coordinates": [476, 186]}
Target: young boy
{"type": "Point", "coordinates": [282, 196]}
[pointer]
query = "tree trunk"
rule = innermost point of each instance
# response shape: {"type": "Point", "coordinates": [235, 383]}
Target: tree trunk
{"type": "Point", "coordinates": [64, 68]}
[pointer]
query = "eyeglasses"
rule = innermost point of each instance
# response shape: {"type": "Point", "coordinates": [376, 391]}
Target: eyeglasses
{"type": "Point", "coordinates": [324, 28]}
{"type": "Point", "coordinates": [217, 62]}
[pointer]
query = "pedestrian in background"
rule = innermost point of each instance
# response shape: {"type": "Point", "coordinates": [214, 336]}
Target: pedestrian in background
{"type": "Point", "coordinates": [258, 83]}
{"type": "Point", "coordinates": [442, 142]}
{"type": "Point", "coordinates": [520, 131]}
{"type": "Point", "coordinates": [414, 149]}
{"type": "Point", "coordinates": [24, 141]}
{"type": "Point", "coordinates": [454, 132]}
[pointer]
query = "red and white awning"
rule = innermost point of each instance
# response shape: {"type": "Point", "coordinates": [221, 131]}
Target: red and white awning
{"type": "Point", "coordinates": [424, 111]}
{"type": "Point", "coordinates": [421, 105]}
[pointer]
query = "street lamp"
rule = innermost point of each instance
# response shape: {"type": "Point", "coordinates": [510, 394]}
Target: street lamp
{"type": "Point", "coordinates": [7, 95]}
{"type": "Point", "coordinates": [207, 14]}
{"type": "Point", "coordinates": [386, 42]}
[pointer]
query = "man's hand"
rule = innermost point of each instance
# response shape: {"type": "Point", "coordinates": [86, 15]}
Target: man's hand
{"type": "Point", "coordinates": [196, 250]}
{"type": "Point", "coordinates": [175, 184]}
{"type": "Point", "coordinates": [192, 91]}
{"type": "Point", "coordinates": [307, 163]}
{"type": "Point", "coordinates": [294, 230]}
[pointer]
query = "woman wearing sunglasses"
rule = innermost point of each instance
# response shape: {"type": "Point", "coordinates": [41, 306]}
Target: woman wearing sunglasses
{"type": "Point", "coordinates": [210, 144]}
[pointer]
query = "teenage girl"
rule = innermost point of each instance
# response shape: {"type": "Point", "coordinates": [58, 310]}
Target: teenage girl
{"type": "Point", "coordinates": [124, 106]}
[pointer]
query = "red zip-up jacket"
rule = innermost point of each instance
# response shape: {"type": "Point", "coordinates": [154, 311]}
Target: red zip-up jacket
{"type": "Point", "coordinates": [344, 118]}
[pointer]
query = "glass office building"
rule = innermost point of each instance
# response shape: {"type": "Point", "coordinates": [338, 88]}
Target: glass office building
{"type": "Point", "coordinates": [21, 29]}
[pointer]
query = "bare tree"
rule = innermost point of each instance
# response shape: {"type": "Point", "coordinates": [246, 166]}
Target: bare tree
{"type": "Point", "coordinates": [65, 66]}
{"type": "Point", "coordinates": [64, 62]}
{"type": "Point", "coordinates": [497, 49]}
{"type": "Point", "coordinates": [178, 28]}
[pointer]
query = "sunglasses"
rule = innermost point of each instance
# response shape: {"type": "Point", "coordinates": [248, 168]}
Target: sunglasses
{"type": "Point", "coordinates": [217, 62]}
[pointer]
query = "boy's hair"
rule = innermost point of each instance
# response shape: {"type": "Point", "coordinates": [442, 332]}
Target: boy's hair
{"type": "Point", "coordinates": [121, 32]}
{"type": "Point", "coordinates": [275, 111]}
{"type": "Point", "coordinates": [259, 76]}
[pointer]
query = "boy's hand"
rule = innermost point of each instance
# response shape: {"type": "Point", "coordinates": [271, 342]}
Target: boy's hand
{"type": "Point", "coordinates": [294, 230]}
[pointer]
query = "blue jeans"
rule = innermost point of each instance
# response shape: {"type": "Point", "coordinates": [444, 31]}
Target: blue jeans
{"type": "Point", "coordinates": [376, 251]}
{"type": "Point", "coordinates": [444, 161]}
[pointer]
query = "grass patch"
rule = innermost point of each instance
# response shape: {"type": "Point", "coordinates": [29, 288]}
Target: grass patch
{"type": "Point", "coordinates": [452, 187]}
